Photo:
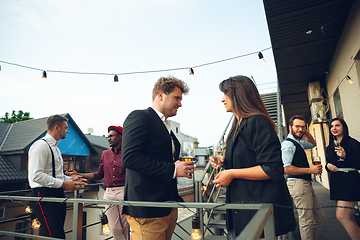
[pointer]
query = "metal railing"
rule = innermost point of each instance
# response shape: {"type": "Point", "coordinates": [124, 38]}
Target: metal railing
{"type": "Point", "coordinates": [262, 221]}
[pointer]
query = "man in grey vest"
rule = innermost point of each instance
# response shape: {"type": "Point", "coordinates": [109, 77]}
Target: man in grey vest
{"type": "Point", "coordinates": [299, 173]}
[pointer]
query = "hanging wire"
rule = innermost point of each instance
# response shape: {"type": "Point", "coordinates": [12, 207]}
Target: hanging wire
{"type": "Point", "coordinates": [140, 72]}
{"type": "Point", "coordinates": [342, 80]}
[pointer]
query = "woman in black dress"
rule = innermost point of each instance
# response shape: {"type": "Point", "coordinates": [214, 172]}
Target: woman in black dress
{"type": "Point", "coordinates": [343, 163]}
{"type": "Point", "coordinates": [254, 169]}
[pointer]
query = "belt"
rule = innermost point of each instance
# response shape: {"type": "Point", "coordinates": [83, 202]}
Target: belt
{"type": "Point", "coordinates": [347, 170]}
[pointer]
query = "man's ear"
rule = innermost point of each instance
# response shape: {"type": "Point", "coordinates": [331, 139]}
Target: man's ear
{"type": "Point", "coordinates": [160, 95]}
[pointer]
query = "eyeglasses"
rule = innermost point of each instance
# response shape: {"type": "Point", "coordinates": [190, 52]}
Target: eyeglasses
{"type": "Point", "coordinates": [111, 135]}
{"type": "Point", "coordinates": [298, 127]}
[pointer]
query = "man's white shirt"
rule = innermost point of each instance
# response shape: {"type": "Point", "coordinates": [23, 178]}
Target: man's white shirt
{"type": "Point", "coordinates": [40, 164]}
{"type": "Point", "coordinates": [168, 127]}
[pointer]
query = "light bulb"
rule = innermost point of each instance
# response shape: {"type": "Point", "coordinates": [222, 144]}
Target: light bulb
{"type": "Point", "coordinates": [191, 71]}
{"type": "Point", "coordinates": [319, 118]}
{"type": "Point", "coordinates": [105, 224]}
{"type": "Point", "coordinates": [28, 209]}
{"type": "Point", "coordinates": [106, 229]}
{"type": "Point", "coordinates": [35, 223]}
{"type": "Point", "coordinates": [261, 57]}
{"type": "Point", "coordinates": [348, 78]}
{"type": "Point", "coordinates": [116, 78]}
{"type": "Point", "coordinates": [195, 234]}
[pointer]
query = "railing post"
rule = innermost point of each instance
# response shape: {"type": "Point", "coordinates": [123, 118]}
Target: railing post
{"type": "Point", "coordinates": [77, 218]}
{"type": "Point", "coordinates": [198, 199]}
{"type": "Point", "coordinates": [269, 229]}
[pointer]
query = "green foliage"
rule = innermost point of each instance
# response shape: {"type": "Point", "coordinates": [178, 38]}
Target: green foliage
{"type": "Point", "coordinates": [20, 116]}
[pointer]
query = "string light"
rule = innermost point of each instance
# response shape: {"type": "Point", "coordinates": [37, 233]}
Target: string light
{"type": "Point", "coordinates": [105, 224]}
{"type": "Point", "coordinates": [196, 234]}
{"type": "Point", "coordinates": [35, 223]}
{"type": "Point", "coordinates": [348, 78]}
{"type": "Point", "coordinates": [44, 75]}
{"type": "Point", "coordinates": [191, 71]}
{"type": "Point", "coordinates": [116, 79]}
{"type": "Point", "coordinates": [28, 209]}
{"type": "Point", "coordinates": [261, 57]}
{"type": "Point", "coordinates": [319, 118]}
{"type": "Point", "coordinates": [150, 71]}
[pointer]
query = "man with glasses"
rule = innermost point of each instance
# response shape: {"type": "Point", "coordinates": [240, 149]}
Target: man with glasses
{"type": "Point", "coordinates": [299, 173]}
{"type": "Point", "coordinates": [113, 172]}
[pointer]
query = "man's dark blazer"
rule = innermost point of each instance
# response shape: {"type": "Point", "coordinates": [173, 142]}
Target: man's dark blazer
{"type": "Point", "coordinates": [148, 159]}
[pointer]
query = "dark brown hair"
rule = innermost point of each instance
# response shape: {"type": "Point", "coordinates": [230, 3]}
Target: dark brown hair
{"type": "Point", "coordinates": [291, 120]}
{"type": "Point", "coordinates": [54, 120]}
{"type": "Point", "coordinates": [332, 137]}
{"type": "Point", "coordinates": [167, 85]}
{"type": "Point", "coordinates": [245, 98]}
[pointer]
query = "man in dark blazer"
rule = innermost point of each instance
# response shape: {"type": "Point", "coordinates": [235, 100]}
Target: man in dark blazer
{"type": "Point", "coordinates": [150, 153]}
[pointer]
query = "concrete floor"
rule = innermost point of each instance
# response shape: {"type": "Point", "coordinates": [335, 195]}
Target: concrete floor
{"type": "Point", "coordinates": [332, 228]}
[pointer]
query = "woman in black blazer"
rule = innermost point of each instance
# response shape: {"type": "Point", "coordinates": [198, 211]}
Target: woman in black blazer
{"type": "Point", "coordinates": [254, 169]}
{"type": "Point", "coordinates": [343, 164]}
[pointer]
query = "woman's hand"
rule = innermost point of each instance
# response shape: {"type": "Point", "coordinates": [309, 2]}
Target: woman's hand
{"type": "Point", "coordinates": [332, 167]}
{"type": "Point", "coordinates": [224, 178]}
{"type": "Point", "coordinates": [340, 151]}
{"type": "Point", "coordinates": [217, 162]}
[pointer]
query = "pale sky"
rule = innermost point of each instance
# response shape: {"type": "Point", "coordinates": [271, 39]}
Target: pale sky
{"type": "Point", "coordinates": [129, 36]}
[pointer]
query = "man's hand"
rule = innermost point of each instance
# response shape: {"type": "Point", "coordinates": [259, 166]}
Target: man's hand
{"type": "Point", "coordinates": [74, 183]}
{"type": "Point", "coordinates": [316, 169]}
{"type": "Point", "coordinates": [184, 169]}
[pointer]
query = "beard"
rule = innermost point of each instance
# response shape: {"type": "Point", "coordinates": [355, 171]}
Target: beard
{"type": "Point", "coordinates": [296, 135]}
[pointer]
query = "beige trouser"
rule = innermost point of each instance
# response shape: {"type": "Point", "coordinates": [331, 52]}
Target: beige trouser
{"type": "Point", "coordinates": [118, 224]}
{"type": "Point", "coordinates": [160, 228]}
{"type": "Point", "coordinates": [310, 221]}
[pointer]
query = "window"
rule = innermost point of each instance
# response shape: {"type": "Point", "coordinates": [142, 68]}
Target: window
{"type": "Point", "coordinates": [22, 227]}
{"type": "Point", "coordinates": [79, 163]}
{"type": "Point", "coordinates": [68, 163]}
{"type": "Point", "coordinates": [337, 102]}
{"type": "Point", "coordinates": [2, 211]}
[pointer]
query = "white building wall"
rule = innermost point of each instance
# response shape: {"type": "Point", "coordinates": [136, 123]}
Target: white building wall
{"type": "Point", "coordinates": [175, 127]}
{"type": "Point", "coordinates": [93, 215]}
{"type": "Point", "coordinates": [320, 134]}
{"type": "Point", "coordinates": [346, 50]}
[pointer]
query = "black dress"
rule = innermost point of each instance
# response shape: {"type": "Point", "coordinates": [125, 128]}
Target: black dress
{"type": "Point", "coordinates": [345, 186]}
{"type": "Point", "coordinates": [256, 144]}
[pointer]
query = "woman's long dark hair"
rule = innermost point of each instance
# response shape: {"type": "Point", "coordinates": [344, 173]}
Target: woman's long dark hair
{"type": "Point", "coordinates": [331, 147]}
{"type": "Point", "coordinates": [245, 98]}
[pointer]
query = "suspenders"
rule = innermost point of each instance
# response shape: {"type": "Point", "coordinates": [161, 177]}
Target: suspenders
{"type": "Point", "coordinates": [53, 159]}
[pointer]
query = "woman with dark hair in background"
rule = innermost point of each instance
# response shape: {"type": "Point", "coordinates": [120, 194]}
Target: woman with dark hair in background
{"type": "Point", "coordinates": [254, 169]}
{"type": "Point", "coordinates": [343, 163]}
